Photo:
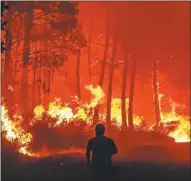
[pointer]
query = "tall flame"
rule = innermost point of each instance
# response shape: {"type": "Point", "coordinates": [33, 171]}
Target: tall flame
{"type": "Point", "coordinates": [15, 133]}
{"type": "Point", "coordinates": [12, 128]}
{"type": "Point", "coordinates": [182, 131]}
{"type": "Point", "coordinates": [116, 112]}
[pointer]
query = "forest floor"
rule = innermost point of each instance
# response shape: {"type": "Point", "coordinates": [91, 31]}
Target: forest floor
{"type": "Point", "coordinates": [67, 167]}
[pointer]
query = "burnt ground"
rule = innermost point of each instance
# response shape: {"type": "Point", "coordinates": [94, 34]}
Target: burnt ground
{"type": "Point", "coordinates": [156, 165]}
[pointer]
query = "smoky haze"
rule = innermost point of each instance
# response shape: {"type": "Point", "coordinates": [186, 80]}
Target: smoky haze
{"type": "Point", "coordinates": [154, 30]}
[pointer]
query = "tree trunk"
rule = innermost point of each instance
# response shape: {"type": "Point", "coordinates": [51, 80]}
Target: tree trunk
{"type": "Point", "coordinates": [34, 79]}
{"type": "Point", "coordinates": [103, 64]}
{"type": "Point", "coordinates": [131, 93]}
{"type": "Point", "coordinates": [155, 92]}
{"type": "Point", "coordinates": [49, 81]}
{"type": "Point", "coordinates": [89, 49]}
{"type": "Point", "coordinates": [8, 64]}
{"type": "Point", "coordinates": [123, 92]}
{"type": "Point", "coordinates": [78, 74]}
{"type": "Point", "coordinates": [110, 84]}
{"type": "Point", "coordinates": [44, 83]}
{"type": "Point", "coordinates": [24, 86]}
{"type": "Point", "coordinates": [39, 81]}
{"type": "Point", "coordinates": [45, 71]}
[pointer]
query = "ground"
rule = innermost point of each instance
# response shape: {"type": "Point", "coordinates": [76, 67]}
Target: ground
{"type": "Point", "coordinates": [73, 167]}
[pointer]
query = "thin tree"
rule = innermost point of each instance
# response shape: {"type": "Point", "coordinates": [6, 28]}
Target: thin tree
{"type": "Point", "coordinates": [34, 79]}
{"type": "Point", "coordinates": [27, 28]}
{"type": "Point", "coordinates": [131, 93]}
{"type": "Point", "coordinates": [78, 74]}
{"type": "Point", "coordinates": [8, 72]}
{"type": "Point", "coordinates": [103, 64]}
{"type": "Point", "coordinates": [155, 91]}
{"type": "Point", "coordinates": [110, 84]}
{"type": "Point", "coordinates": [123, 90]}
{"type": "Point", "coordinates": [89, 48]}
{"type": "Point", "coordinates": [40, 81]}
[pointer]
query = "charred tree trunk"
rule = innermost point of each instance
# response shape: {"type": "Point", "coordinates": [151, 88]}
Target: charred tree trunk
{"type": "Point", "coordinates": [89, 49]}
{"type": "Point", "coordinates": [45, 70]}
{"type": "Point", "coordinates": [8, 64]}
{"type": "Point", "coordinates": [123, 92]}
{"type": "Point", "coordinates": [8, 47]}
{"type": "Point", "coordinates": [110, 84]}
{"type": "Point", "coordinates": [44, 83]}
{"type": "Point", "coordinates": [49, 81]}
{"type": "Point", "coordinates": [34, 79]}
{"type": "Point", "coordinates": [155, 92]}
{"type": "Point", "coordinates": [78, 75]}
{"type": "Point", "coordinates": [103, 64]}
{"type": "Point", "coordinates": [131, 93]}
{"type": "Point", "coordinates": [40, 81]}
{"type": "Point", "coordinates": [28, 26]}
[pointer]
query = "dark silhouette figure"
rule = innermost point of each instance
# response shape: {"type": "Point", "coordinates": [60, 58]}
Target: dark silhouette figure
{"type": "Point", "coordinates": [102, 149]}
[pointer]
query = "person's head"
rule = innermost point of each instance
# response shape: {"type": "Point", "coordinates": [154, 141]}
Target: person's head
{"type": "Point", "coordinates": [100, 129]}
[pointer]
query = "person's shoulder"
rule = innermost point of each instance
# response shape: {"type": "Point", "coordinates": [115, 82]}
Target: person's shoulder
{"type": "Point", "coordinates": [92, 140]}
{"type": "Point", "coordinates": [108, 139]}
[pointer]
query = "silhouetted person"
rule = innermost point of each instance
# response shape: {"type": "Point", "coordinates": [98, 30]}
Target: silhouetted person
{"type": "Point", "coordinates": [102, 149]}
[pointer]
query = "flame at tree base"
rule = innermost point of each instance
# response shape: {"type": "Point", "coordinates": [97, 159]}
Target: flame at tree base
{"type": "Point", "coordinates": [61, 116]}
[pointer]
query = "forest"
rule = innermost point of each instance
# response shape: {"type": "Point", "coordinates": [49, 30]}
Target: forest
{"type": "Point", "coordinates": [66, 66]}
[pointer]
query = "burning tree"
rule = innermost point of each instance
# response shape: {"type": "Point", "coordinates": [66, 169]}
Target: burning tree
{"type": "Point", "coordinates": [155, 92]}
{"type": "Point", "coordinates": [123, 90]}
{"type": "Point", "coordinates": [131, 93]}
{"type": "Point", "coordinates": [110, 84]}
{"type": "Point", "coordinates": [41, 38]}
{"type": "Point", "coordinates": [80, 43]}
{"type": "Point", "coordinates": [38, 35]}
{"type": "Point", "coordinates": [103, 62]}
{"type": "Point", "coordinates": [89, 47]}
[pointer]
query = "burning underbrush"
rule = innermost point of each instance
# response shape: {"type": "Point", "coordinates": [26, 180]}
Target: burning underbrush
{"type": "Point", "coordinates": [66, 127]}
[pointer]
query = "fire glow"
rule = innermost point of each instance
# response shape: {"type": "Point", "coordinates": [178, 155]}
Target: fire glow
{"type": "Point", "coordinates": [14, 131]}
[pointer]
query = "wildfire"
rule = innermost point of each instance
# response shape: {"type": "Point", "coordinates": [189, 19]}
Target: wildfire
{"type": "Point", "coordinates": [182, 132]}
{"type": "Point", "coordinates": [63, 114]}
{"type": "Point", "coordinates": [15, 133]}
{"type": "Point", "coordinates": [116, 112]}
{"type": "Point", "coordinates": [97, 93]}
{"type": "Point", "coordinates": [38, 112]}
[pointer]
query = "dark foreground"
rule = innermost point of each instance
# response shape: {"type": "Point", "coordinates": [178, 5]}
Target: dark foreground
{"type": "Point", "coordinates": [140, 162]}
{"type": "Point", "coordinates": [73, 167]}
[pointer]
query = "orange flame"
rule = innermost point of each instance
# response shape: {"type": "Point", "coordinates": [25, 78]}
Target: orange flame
{"type": "Point", "coordinates": [116, 112]}
{"type": "Point", "coordinates": [63, 114]}
{"type": "Point", "coordinates": [15, 133]}
{"type": "Point", "coordinates": [182, 131]}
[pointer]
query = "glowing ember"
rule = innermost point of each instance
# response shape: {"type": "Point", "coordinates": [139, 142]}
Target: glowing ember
{"type": "Point", "coordinates": [45, 152]}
